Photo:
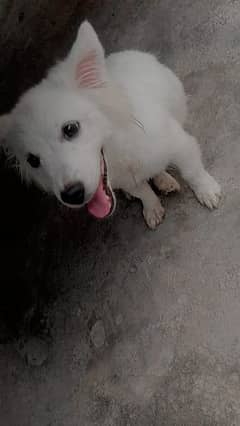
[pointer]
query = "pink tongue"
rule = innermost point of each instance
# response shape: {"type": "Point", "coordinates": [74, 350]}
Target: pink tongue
{"type": "Point", "coordinates": [100, 205]}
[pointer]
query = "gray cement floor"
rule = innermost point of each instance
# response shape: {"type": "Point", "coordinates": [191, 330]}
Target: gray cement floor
{"type": "Point", "coordinates": [142, 328]}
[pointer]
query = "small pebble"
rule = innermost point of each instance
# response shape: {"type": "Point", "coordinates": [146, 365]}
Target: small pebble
{"type": "Point", "coordinates": [34, 351]}
{"type": "Point", "coordinates": [133, 269]}
{"type": "Point", "coordinates": [97, 334]}
{"type": "Point", "coordinates": [79, 312]}
{"type": "Point", "coordinates": [119, 319]}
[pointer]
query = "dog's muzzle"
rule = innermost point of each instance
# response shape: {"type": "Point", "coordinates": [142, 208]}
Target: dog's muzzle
{"type": "Point", "coordinates": [102, 203]}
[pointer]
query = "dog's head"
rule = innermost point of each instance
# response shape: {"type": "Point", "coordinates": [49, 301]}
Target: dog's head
{"type": "Point", "coordinates": [58, 133]}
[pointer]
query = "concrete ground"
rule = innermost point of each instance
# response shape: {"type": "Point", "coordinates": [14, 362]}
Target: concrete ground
{"type": "Point", "coordinates": [124, 326]}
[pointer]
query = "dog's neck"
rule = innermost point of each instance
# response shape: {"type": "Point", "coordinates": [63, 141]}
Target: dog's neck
{"type": "Point", "coordinates": [115, 104]}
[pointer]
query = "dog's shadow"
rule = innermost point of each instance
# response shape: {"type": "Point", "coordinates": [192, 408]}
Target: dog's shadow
{"type": "Point", "coordinates": [41, 243]}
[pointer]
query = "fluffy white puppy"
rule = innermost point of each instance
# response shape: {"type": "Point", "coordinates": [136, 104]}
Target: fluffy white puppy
{"type": "Point", "coordinates": [96, 124]}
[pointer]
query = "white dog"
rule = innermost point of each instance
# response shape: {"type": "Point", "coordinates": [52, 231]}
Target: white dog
{"type": "Point", "coordinates": [97, 124]}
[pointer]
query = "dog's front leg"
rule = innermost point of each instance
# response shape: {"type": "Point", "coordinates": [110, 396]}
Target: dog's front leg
{"type": "Point", "coordinates": [153, 210]}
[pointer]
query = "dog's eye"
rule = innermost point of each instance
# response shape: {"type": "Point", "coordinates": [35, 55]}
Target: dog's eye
{"type": "Point", "coordinates": [33, 160]}
{"type": "Point", "coordinates": [70, 130]}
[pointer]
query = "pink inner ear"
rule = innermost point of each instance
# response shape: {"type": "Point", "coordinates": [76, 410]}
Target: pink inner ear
{"type": "Point", "coordinates": [88, 73]}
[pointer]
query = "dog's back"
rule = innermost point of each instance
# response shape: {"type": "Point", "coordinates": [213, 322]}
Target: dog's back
{"type": "Point", "coordinates": [150, 85]}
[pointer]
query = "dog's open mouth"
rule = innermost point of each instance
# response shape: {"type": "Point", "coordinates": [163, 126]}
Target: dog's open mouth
{"type": "Point", "coordinates": [103, 202]}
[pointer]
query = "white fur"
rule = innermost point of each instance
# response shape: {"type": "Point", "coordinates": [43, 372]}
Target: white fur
{"type": "Point", "coordinates": [136, 113]}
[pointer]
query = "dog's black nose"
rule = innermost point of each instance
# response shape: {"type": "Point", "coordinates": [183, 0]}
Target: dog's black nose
{"type": "Point", "coordinates": [73, 194]}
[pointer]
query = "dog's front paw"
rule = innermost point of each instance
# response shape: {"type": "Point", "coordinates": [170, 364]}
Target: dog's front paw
{"type": "Point", "coordinates": [208, 192]}
{"type": "Point", "coordinates": [154, 215]}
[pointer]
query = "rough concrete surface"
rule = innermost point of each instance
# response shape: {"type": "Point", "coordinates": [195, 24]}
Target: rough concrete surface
{"type": "Point", "coordinates": [109, 323]}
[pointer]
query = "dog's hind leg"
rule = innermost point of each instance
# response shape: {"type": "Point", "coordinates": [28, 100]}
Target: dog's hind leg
{"type": "Point", "coordinates": [153, 210]}
{"type": "Point", "coordinates": [187, 157]}
{"type": "Point", "coordinates": [166, 183]}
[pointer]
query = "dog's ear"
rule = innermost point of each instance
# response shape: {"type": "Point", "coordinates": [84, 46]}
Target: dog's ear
{"type": "Point", "coordinates": [86, 58]}
{"type": "Point", "coordinates": [5, 122]}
